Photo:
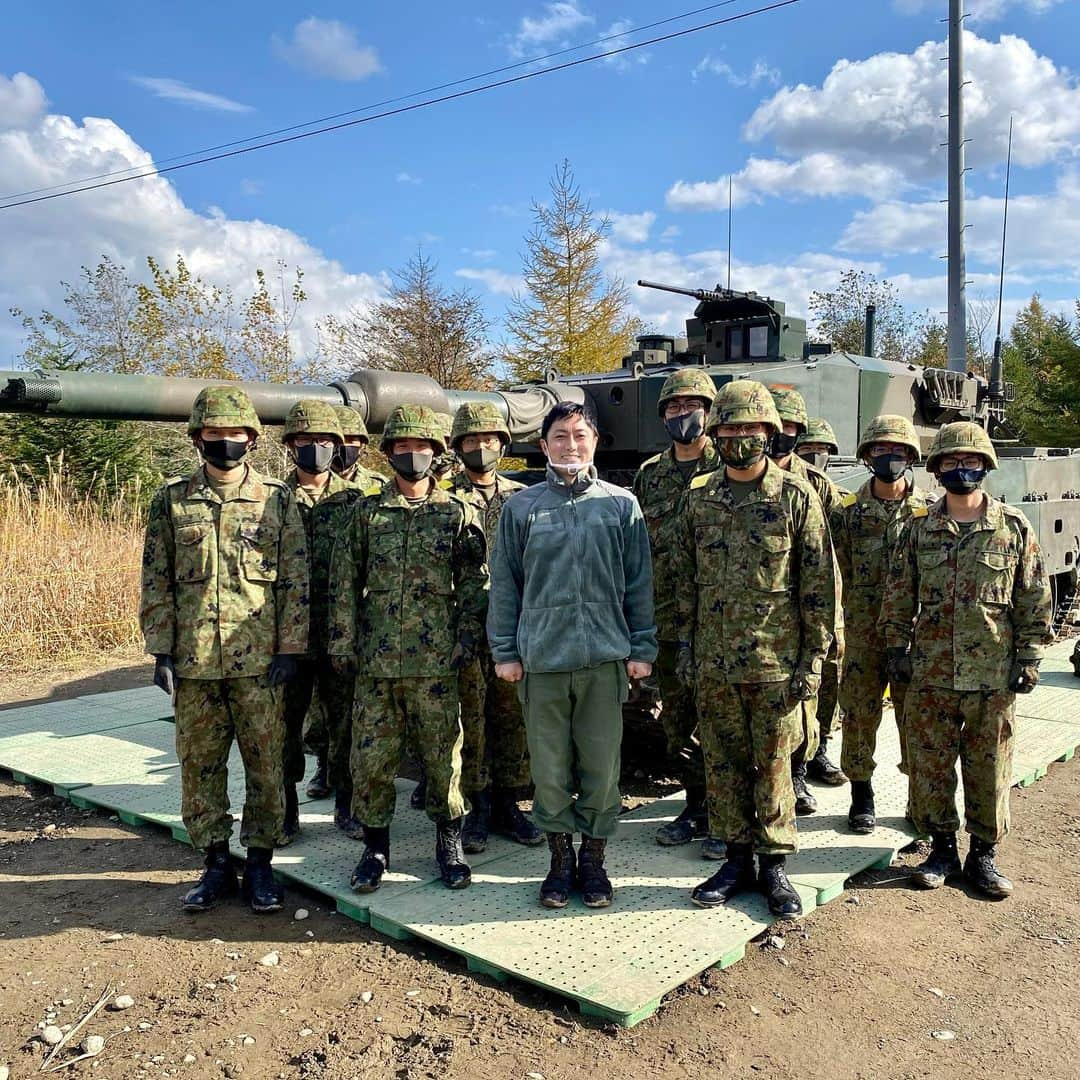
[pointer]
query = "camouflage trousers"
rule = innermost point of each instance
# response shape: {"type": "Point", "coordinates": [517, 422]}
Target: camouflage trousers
{"type": "Point", "coordinates": [495, 749]}
{"type": "Point", "coordinates": [210, 713]}
{"type": "Point", "coordinates": [828, 699]}
{"type": "Point", "coordinates": [861, 693]}
{"type": "Point", "coordinates": [390, 714]}
{"type": "Point", "coordinates": [977, 728]}
{"type": "Point", "coordinates": [315, 677]}
{"type": "Point", "coordinates": [748, 732]}
{"type": "Point", "coordinates": [680, 720]}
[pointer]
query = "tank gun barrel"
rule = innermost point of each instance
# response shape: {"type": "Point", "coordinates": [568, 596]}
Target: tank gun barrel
{"type": "Point", "coordinates": [697, 294]}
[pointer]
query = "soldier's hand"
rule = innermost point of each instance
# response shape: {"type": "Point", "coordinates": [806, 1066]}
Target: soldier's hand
{"type": "Point", "coordinates": [164, 673]}
{"type": "Point", "coordinates": [344, 666]}
{"type": "Point", "coordinates": [1024, 677]}
{"type": "Point", "coordinates": [282, 670]}
{"type": "Point", "coordinates": [464, 652]}
{"type": "Point", "coordinates": [898, 666]}
{"type": "Point", "coordinates": [511, 673]}
{"type": "Point", "coordinates": [638, 669]}
{"type": "Point", "coordinates": [804, 685]}
{"type": "Point", "coordinates": [684, 665]}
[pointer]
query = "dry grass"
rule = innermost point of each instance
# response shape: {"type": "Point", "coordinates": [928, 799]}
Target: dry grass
{"type": "Point", "coordinates": [69, 571]}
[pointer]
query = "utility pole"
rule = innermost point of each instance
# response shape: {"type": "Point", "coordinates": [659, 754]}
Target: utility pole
{"type": "Point", "coordinates": [957, 335]}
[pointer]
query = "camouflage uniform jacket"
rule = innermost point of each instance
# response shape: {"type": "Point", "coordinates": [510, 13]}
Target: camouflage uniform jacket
{"type": "Point", "coordinates": [659, 486]}
{"type": "Point", "coordinates": [487, 510]}
{"type": "Point", "coordinates": [409, 581]}
{"type": "Point", "coordinates": [224, 584]}
{"type": "Point", "coordinates": [757, 591]}
{"type": "Point", "coordinates": [865, 530]}
{"type": "Point", "coordinates": [362, 478]}
{"type": "Point", "coordinates": [307, 499]}
{"type": "Point", "coordinates": [826, 489]}
{"type": "Point", "coordinates": [968, 604]}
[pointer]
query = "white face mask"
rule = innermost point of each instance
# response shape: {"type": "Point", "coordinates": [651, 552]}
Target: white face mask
{"type": "Point", "coordinates": [571, 468]}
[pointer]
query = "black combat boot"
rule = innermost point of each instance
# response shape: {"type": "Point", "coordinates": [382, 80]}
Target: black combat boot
{"type": "Point", "coordinates": [861, 817]}
{"type": "Point", "coordinates": [291, 825]}
{"type": "Point", "coordinates": [508, 820]}
{"type": "Point", "coordinates": [375, 861]}
{"type": "Point", "coordinates": [805, 803]}
{"type": "Point", "coordinates": [982, 874]}
{"type": "Point", "coordinates": [454, 871]}
{"type": "Point", "coordinates": [318, 786]}
{"type": "Point", "coordinates": [783, 900]}
{"type": "Point", "coordinates": [595, 886]}
{"type": "Point", "coordinates": [555, 890]}
{"type": "Point", "coordinates": [822, 769]}
{"type": "Point", "coordinates": [689, 824]}
{"type": "Point", "coordinates": [713, 849]}
{"type": "Point", "coordinates": [940, 863]}
{"type": "Point", "coordinates": [735, 876]}
{"type": "Point", "coordinates": [343, 815]}
{"type": "Point", "coordinates": [418, 798]}
{"type": "Point", "coordinates": [261, 891]}
{"type": "Point", "coordinates": [218, 880]}
{"type": "Point", "coordinates": [474, 835]}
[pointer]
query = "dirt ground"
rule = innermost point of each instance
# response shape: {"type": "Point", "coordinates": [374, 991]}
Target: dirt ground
{"type": "Point", "coordinates": [857, 991]}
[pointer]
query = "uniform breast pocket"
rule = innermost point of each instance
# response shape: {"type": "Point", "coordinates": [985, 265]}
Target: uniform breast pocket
{"type": "Point", "coordinates": [994, 572]}
{"type": "Point", "coordinates": [194, 551]}
{"type": "Point", "coordinates": [431, 566]}
{"type": "Point", "coordinates": [935, 576]}
{"type": "Point", "coordinates": [258, 553]}
{"type": "Point", "coordinates": [769, 563]}
{"type": "Point", "coordinates": [711, 545]}
{"type": "Point", "coordinates": [866, 559]}
{"type": "Point", "coordinates": [385, 554]}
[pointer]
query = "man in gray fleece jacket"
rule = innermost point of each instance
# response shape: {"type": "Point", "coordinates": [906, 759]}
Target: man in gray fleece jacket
{"type": "Point", "coordinates": [570, 620]}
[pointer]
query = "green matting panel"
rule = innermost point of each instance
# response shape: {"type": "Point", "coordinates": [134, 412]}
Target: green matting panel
{"type": "Point", "coordinates": [615, 963]}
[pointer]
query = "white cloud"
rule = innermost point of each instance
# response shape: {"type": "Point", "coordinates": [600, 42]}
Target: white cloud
{"type": "Point", "coordinates": [480, 253]}
{"type": "Point", "coordinates": [671, 232]}
{"type": "Point", "coordinates": [496, 281]}
{"type": "Point", "coordinates": [761, 72]}
{"type": "Point", "coordinates": [982, 11]}
{"type": "Point", "coordinates": [557, 20]}
{"type": "Point", "coordinates": [182, 94]}
{"type": "Point", "coordinates": [328, 48]}
{"type": "Point", "coordinates": [617, 39]}
{"type": "Point", "coordinates": [408, 178]}
{"type": "Point", "coordinates": [631, 228]}
{"type": "Point", "coordinates": [47, 243]}
{"type": "Point", "coordinates": [22, 101]}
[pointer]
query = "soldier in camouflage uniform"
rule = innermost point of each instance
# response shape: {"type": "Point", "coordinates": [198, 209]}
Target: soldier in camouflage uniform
{"type": "Point", "coordinates": [447, 466]}
{"type": "Point", "coordinates": [495, 755]}
{"type": "Point", "coordinates": [865, 528]}
{"type": "Point", "coordinates": [965, 617]}
{"type": "Point", "coordinates": [819, 715]}
{"type": "Point", "coordinates": [756, 606]}
{"type": "Point", "coordinates": [818, 443]}
{"type": "Point", "coordinates": [410, 583]}
{"type": "Point", "coordinates": [225, 612]}
{"type": "Point", "coordinates": [355, 437]}
{"type": "Point", "coordinates": [685, 399]}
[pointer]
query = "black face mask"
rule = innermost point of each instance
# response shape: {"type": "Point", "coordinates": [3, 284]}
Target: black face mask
{"type": "Point", "coordinates": [345, 457]}
{"type": "Point", "coordinates": [314, 458]}
{"type": "Point", "coordinates": [414, 465]}
{"type": "Point", "coordinates": [782, 445]}
{"type": "Point", "coordinates": [819, 460]}
{"type": "Point", "coordinates": [889, 467]}
{"type": "Point", "coordinates": [480, 461]}
{"type": "Point", "coordinates": [223, 454]}
{"type": "Point", "coordinates": [686, 428]}
{"type": "Point", "coordinates": [962, 481]}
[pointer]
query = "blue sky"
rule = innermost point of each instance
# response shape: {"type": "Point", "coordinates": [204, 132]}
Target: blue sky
{"type": "Point", "coordinates": [826, 111]}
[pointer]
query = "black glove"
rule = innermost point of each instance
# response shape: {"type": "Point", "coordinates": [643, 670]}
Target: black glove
{"type": "Point", "coordinates": [898, 666]}
{"type": "Point", "coordinates": [282, 670]}
{"type": "Point", "coordinates": [464, 652]}
{"type": "Point", "coordinates": [345, 666]}
{"type": "Point", "coordinates": [684, 665]}
{"type": "Point", "coordinates": [164, 673]}
{"type": "Point", "coordinates": [1024, 676]}
{"type": "Point", "coordinates": [804, 685]}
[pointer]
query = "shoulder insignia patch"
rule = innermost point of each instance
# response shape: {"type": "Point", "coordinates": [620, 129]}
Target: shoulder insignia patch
{"type": "Point", "coordinates": [373, 490]}
{"type": "Point", "coordinates": [849, 500]}
{"type": "Point", "coordinates": [700, 480]}
{"type": "Point", "coordinates": [446, 485]}
{"type": "Point", "coordinates": [920, 512]}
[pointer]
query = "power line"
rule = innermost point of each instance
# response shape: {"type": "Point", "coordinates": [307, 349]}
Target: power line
{"type": "Point", "coordinates": [156, 164]}
{"type": "Point", "coordinates": [405, 108]}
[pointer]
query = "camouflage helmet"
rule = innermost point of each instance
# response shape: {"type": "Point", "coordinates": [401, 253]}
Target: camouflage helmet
{"type": "Point", "coordinates": [819, 430]}
{"type": "Point", "coordinates": [890, 428]}
{"type": "Point", "coordinates": [413, 422]}
{"type": "Point", "coordinates": [962, 437]}
{"type": "Point", "coordinates": [223, 406]}
{"type": "Point", "coordinates": [743, 401]}
{"type": "Point", "coordinates": [312, 416]}
{"type": "Point", "coordinates": [476, 418]}
{"type": "Point", "coordinates": [351, 422]}
{"type": "Point", "coordinates": [686, 382]}
{"type": "Point", "coordinates": [790, 405]}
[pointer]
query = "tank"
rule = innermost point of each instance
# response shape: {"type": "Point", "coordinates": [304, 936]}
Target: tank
{"type": "Point", "coordinates": [731, 335]}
